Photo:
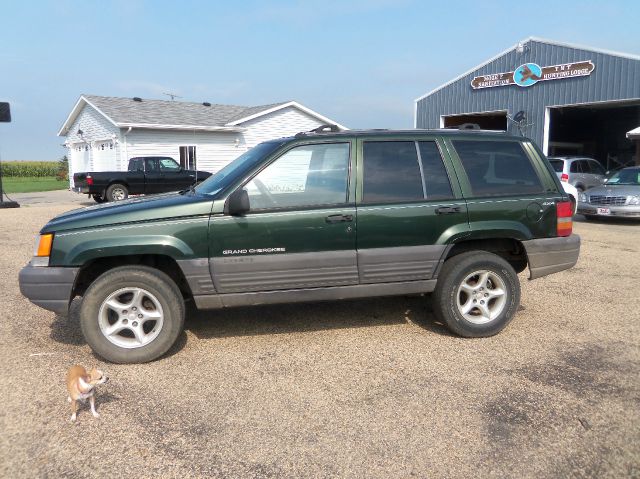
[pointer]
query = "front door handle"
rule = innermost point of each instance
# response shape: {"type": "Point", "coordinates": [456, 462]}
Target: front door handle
{"type": "Point", "coordinates": [447, 210]}
{"type": "Point", "coordinates": [338, 218]}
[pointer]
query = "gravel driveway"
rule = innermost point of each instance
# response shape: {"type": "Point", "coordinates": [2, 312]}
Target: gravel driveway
{"type": "Point", "coordinates": [371, 388]}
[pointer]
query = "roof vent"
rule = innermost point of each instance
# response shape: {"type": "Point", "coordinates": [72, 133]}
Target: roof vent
{"type": "Point", "coordinates": [137, 98]}
{"type": "Point", "coordinates": [206, 103]}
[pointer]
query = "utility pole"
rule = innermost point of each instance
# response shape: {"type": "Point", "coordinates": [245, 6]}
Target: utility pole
{"type": "Point", "coordinates": [173, 96]}
{"type": "Point", "coordinates": [5, 117]}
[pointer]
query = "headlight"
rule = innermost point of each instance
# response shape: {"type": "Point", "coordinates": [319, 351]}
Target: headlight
{"type": "Point", "coordinates": [583, 198]}
{"type": "Point", "coordinates": [634, 200]}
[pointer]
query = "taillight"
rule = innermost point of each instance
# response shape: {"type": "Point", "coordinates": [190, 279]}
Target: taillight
{"type": "Point", "coordinates": [564, 177]}
{"type": "Point", "coordinates": [565, 221]}
{"type": "Point", "coordinates": [89, 180]}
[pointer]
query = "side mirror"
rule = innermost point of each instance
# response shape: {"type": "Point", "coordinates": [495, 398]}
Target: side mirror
{"type": "Point", "coordinates": [237, 203]}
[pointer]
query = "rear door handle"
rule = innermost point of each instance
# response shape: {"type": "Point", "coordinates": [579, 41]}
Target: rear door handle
{"type": "Point", "coordinates": [447, 210]}
{"type": "Point", "coordinates": [338, 218]}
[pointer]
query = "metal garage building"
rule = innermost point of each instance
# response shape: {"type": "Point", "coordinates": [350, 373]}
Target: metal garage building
{"type": "Point", "coordinates": [571, 100]}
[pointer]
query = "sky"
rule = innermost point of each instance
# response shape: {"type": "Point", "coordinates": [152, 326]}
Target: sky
{"type": "Point", "coordinates": [361, 63]}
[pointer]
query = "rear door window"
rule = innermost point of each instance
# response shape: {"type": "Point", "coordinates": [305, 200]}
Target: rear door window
{"type": "Point", "coordinates": [498, 168]}
{"type": "Point", "coordinates": [391, 172]}
{"type": "Point", "coordinates": [152, 165]}
{"type": "Point", "coordinates": [585, 166]}
{"type": "Point", "coordinates": [576, 167]}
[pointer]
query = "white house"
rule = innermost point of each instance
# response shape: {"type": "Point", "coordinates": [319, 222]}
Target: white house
{"type": "Point", "coordinates": [102, 133]}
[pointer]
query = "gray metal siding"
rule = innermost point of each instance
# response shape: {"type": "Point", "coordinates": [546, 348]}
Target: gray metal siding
{"type": "Point", "coordinates": [614, 78]}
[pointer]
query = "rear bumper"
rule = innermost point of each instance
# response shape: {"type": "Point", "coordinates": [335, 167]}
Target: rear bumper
{"type": "Point", "coordinates": [550, 255]}
{"type": "Point", "coordinates": [49, 288]}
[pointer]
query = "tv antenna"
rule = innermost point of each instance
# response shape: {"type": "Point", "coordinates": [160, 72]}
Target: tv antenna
{"type": "Point", "coordinates": [520, 119]}
{"type": "Point", "coordinates": [173, 96]}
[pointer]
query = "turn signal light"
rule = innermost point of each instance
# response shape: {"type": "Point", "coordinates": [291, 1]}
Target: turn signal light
{"type": "Point", "coordinates": [89, 180]}
{"type": "Point", "coordinates": [43, 248]}
{"type": "Point", "coordinates": [564, 177]}
{"type": "Point", "coordinates": [565, 218]}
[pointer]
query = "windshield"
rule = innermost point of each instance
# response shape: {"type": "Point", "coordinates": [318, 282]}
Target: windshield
{"type": "Point", "coordinates": [628, 176]}
{"type": "Point", "coordinates": [237, 168]}
{"type": "Point", "coordinates": [558, 165]}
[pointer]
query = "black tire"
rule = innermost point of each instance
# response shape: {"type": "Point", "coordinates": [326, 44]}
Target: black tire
{"type": "Point", "coordinates": [117, 192]}
{"type": "Point", "coordinates": [98, 198]}
{"type": "Point", "coordinates": [159, 287]}
{"type": "Point", "coordinates": [448, 293]}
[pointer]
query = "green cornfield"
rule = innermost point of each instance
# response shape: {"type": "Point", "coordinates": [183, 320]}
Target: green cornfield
{"type": "Point", "coordinates": [39, 169]}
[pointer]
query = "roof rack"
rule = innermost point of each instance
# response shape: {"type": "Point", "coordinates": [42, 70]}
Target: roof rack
{"type": "Point", "coordinates": [321, 129]}
{"type": "Point", "coordinates": [474, 127]}
{"type": "Point", "coordinates": [464, 126]}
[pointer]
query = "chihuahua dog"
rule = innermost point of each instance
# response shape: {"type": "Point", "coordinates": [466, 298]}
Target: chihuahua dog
{"type": "Point", "coordinates": [80, 385]}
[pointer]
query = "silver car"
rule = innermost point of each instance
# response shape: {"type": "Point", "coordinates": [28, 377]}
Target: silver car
{"type": "Point", "coordinates": [583, 173]}
{"type": "Point", "coordinates": [619, 197]}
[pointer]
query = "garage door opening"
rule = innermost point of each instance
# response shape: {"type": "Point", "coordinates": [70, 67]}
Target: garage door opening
{"type": "Point", "coordinates": [596, 130]}
{"type": "Point", "coordinates": [495, 120]}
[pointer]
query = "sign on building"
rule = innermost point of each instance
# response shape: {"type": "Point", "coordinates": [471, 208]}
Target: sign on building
{"type": "Point", "coordinates": [531, 73]}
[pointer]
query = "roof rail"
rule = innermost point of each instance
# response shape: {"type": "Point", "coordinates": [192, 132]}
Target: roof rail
{"type": "Point", "coordinates": [321, 129]}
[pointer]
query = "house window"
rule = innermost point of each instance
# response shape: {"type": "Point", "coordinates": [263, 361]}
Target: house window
{"type": "Point", "coordinates": [188, 157]}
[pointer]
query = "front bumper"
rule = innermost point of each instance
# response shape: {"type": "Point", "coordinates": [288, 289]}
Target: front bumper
{"type": "Point", "coordinates": [627, 211]}
{"type": "Point", "coordinates": [47, 287]}
{"type": "Point", "coordinates": [550, 255]}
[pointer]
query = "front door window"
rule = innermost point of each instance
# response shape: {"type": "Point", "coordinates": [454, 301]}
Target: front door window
{"type": "Point", "coordinates": [309, 175]}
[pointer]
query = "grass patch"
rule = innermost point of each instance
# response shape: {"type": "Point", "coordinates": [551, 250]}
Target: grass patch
{"type": "Point", "coordinates": [32, 184]}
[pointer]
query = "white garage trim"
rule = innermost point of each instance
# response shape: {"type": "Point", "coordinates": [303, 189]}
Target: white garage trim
{"type": "Point", "coordinates": [286, 105]}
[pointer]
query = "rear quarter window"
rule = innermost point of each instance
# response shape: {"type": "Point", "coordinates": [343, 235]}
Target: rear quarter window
{"type": "Point", "coordinates": [498, 168]}
{"type": "Point", "coordinates": [558, 165]}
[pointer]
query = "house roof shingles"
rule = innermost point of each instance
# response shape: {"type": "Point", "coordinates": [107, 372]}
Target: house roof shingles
{"type": "Point", "coordinates": [166, 112]}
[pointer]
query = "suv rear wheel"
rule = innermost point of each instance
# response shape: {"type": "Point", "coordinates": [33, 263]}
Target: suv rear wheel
{"type": "Point", "coordinates": [132, 314]}
{"type": "Point", "coordinates": [477, 294]}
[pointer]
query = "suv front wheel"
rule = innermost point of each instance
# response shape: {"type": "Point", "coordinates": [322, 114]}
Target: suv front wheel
{"type": "Point", "coordinates": [132, 314]}
{"type": "Point", "coordinates": [477, 294]}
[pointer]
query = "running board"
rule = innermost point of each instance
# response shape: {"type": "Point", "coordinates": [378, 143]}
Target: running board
{"type": "Point", "coordinates": [230, 300]}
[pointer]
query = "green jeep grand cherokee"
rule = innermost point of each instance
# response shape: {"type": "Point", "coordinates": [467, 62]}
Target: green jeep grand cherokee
{"type": "Point", "coordinates": [319, 216]}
